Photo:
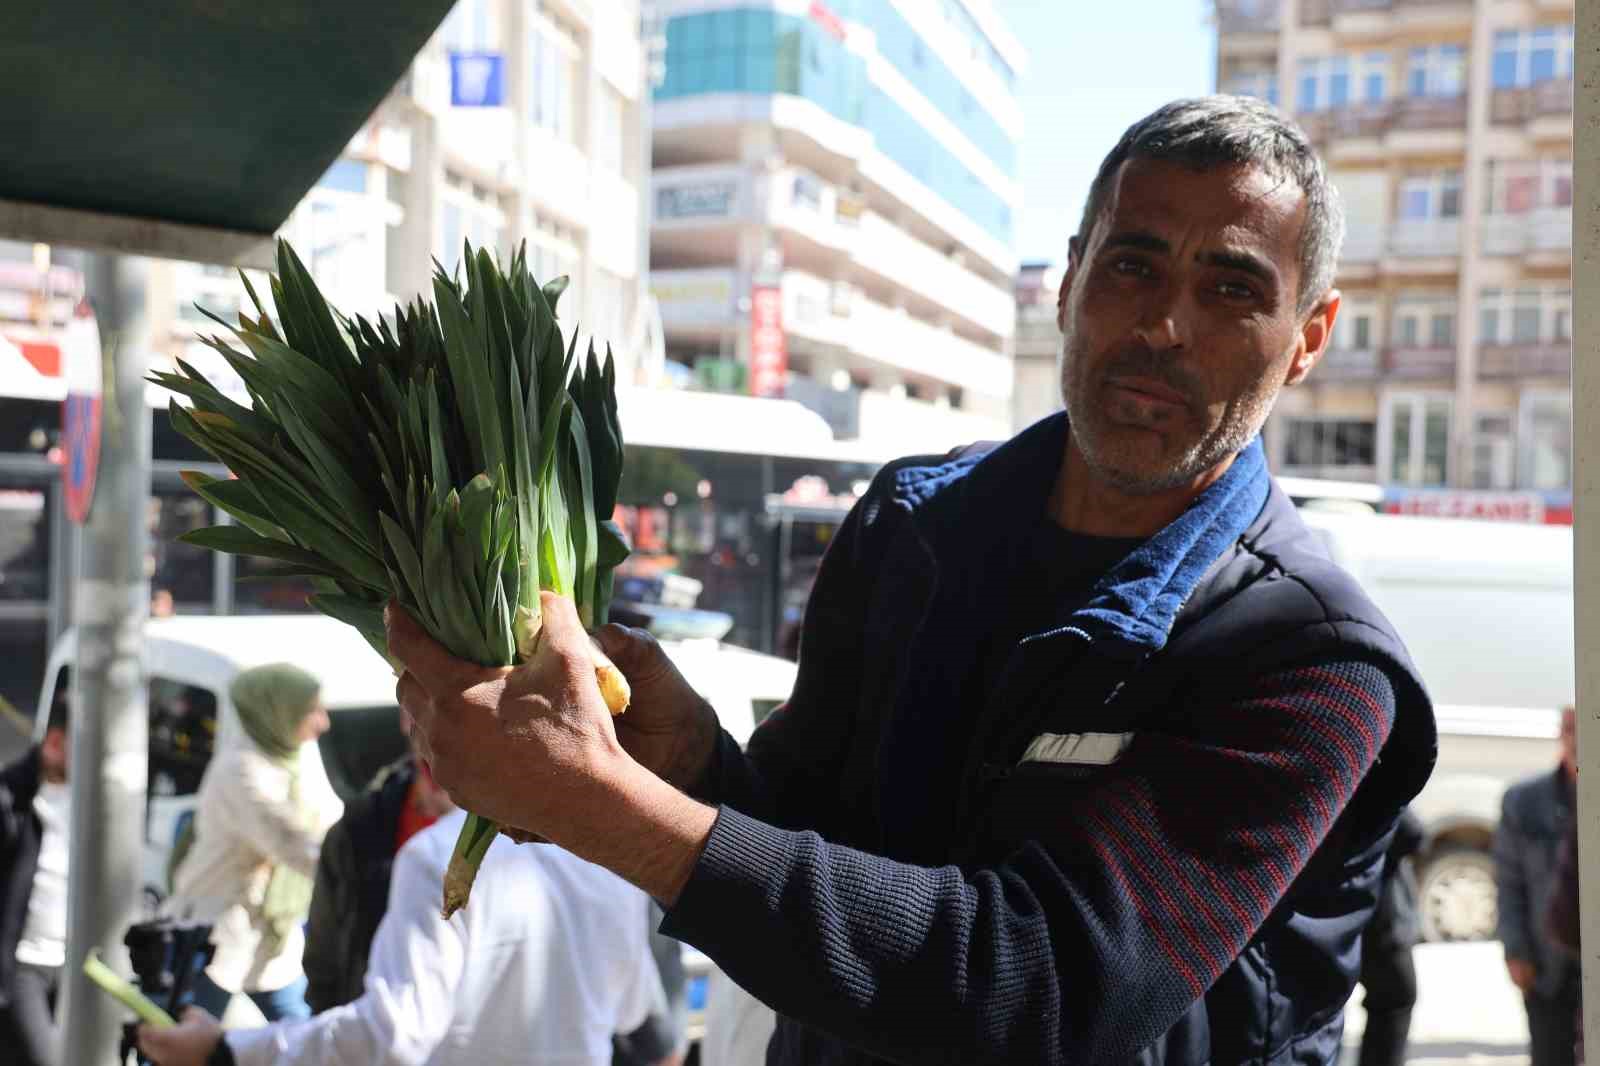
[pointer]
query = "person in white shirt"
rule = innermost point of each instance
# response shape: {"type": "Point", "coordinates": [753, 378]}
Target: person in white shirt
{"type": "Point", "coordinates": [264, 806]}
{"type": "Point", "coordinates": [35, 813]}
{"type": "Point", "coordinates": [542, 968]}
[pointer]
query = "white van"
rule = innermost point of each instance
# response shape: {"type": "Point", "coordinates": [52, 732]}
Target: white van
{"type": "Point", "coordinates": [192, 660]}
{"type": "Point", "coordinates": [1486, 611]}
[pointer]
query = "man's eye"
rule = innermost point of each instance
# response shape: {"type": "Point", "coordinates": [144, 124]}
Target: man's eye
{"type": "Point", "coordinates": [1131, 267]}
{"type": "Point", "coordinates": [1234, 290]}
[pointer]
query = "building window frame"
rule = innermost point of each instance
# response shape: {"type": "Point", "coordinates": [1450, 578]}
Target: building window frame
{"type": "Point", "coordinates": [1548, 183]}
{"type": "Point", "coordinates": [1407, 414]}
{"type": "Point", "coordinates": [1528, 453]}
{"type": "Point", "coordinates": [1436, 71]}
{"type": "Point", "coordinates": [1515, 55]}
{"type": "Point", "coordinates": [1340, 80]}
{"type": "Point", "coordinates": [1503, 314]}
{"type": "Point", "coordinates": [1331, 440]}
{"type": "Point", "coordinates": [1439, 193]}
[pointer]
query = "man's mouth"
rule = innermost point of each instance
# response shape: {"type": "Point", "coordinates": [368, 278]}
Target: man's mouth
{"type": "Point", "coordinates": [1150, 390]}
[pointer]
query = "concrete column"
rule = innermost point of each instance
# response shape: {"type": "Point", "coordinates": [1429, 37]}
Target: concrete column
{"type": "Point", "coordinates": [1586, 486]}
{"type": "Point", "coordinates": [1473, 175]}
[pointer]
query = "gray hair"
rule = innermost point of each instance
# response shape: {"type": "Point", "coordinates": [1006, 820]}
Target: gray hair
{"type": "Point", "coordinates": [1211, 131]}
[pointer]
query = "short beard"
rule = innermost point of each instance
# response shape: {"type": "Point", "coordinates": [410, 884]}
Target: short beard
{"type": "Point", "coordinates": [1240, 426]}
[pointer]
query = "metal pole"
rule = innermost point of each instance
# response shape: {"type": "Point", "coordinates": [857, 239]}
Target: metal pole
{"type": "Point", "coordinates": [1586, 490]}
{"type": "Point", "coordinates": [109, 759]}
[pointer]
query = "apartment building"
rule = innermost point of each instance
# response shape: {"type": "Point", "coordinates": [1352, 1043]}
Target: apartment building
{"type": "Point", "coordinates": [518, 122]}
{"type": "Point", "coordinates": [1036, 347]}
{"type": "Point", "coordinates": [1447, 126]}
{"type": "Point", "coordinates": [834, 196]}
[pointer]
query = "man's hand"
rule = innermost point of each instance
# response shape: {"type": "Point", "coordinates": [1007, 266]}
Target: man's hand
{"type": "Point", "coordinates": [1523, 973]}
{"type": "Point", "coordinates": [668, 727]}
{"type": "Point", "coordinates": [189, 1043]}
{"type": "Point", "coordinates": [518, 746]}
{"type": "Point", "coordinates": [535, 748]}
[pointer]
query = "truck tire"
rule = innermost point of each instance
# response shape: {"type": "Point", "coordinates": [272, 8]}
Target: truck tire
{"type": "Point", "coordinates": [1456, 895]}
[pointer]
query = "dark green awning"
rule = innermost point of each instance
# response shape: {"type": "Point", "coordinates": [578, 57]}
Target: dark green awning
{"type": "Point", "coordinates": [143, 121]}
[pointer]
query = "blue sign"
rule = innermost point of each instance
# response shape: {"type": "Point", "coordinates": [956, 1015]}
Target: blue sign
{"type": "Point", "coordinates": [477, 79]}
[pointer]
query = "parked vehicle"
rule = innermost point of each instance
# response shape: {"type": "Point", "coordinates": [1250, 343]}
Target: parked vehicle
{"type": "Point", "coordinates": [1486, 610]}
{"type": "Point", "coordinates": [192, 660]}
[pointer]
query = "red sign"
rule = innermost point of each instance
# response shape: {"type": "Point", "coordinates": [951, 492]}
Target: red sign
{"type": "Point", "coordinates": [823, 16]}
{"type": "Point", "coordinates": [80, 415]}
{"type": "Point", "coordinates": [1494, 506]}
{"type": "Point", "coordinates": [769, 347]}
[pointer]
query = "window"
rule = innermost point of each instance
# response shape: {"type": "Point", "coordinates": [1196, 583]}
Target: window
{"type": "Point", "coordinates": [1354, 330]}
{"type": "Point", "coordinates": [1517, 186]}
{"type": "Point", "coordinates": [1261, 84]}
{"type": "Point", "coordinates": [610, 149]}
{"type": "Point", "coordinates": [1318, 444]}
{"type": "Point", "coordinates": [467, 29]}
{"type": "Point", "coordinates": [183, 733]}
{"type": "Point", "coordinates": [1417, 438]}
{"type": "Point", "coordinates": [1436, 71]}
{"type": "Point", "coordinates": [1424, 319]}
{"type": "Point", "coordinates": [1429, 196]}
{"type": "Point", "coordinates": [469, 212]}
{"type": "Point", "coordinates": [1524, 316]}
{"type": "Point", "coordinates": [1546, 439]}
{"type": "Point", "coordinates": [1328, 82]}
{"type": "Point", "coordinates": [1527, 57]}
{"type": "Point", "coordinates": [346, 175]}
{"type": "Point", "coordinates": [182, 577]}
{"type": "Point", "coordinates": [1493, 446]}
{"type": "Point", "coordinates": [552, 76]}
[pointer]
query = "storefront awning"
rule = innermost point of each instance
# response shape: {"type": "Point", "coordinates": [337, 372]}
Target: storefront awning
{"type": "Point", "coordinates": [187, 130]}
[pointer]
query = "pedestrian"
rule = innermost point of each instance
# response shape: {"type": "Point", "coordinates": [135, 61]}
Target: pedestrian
{"type": "Point", "coordinates": [663, 1039]}
{"type": "Point", "coordinates": [35, 815]}
{"type": "Point", "coordinates": [547, 963]}
{"type": "Point", "coordinates": [1388, 972]}
{"type": "Point", "coordinates": [351, 889]}
{"type": "Point", "coordinates": [259, 821]}
{"type": "Point", "coordinates": [1534, 817]}
{"type": "Point", "coordinates": [1093, 756]}
{"type": "Point", "coordinates": [1562, 920]}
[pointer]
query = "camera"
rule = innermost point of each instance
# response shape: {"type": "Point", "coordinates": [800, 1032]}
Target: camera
{"type": "Point", "coordinates": [166, 956]}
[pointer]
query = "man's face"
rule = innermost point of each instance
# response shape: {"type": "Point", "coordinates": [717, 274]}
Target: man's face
{"type": "Point", "coordinates": [53, 755]}
{"type": "Point", "coordinates": [1179, 321]}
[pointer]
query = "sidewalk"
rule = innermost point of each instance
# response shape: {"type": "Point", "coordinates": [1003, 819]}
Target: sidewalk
{"type": "Point", "coordinates": [1468, 1011]}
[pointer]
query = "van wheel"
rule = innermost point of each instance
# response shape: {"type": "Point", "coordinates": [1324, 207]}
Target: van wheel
{"type": "Point", "coordinates": [1456, 896]}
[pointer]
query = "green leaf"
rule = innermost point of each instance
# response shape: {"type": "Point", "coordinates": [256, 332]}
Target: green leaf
{"type": "Point", "coordinates": [235, 497]}
{"type": "Point", "coordinates": [236, 540]}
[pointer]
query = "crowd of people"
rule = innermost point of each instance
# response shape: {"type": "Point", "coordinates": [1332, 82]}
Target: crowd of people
{"type": "Point", "coordinates": [1093, 755]}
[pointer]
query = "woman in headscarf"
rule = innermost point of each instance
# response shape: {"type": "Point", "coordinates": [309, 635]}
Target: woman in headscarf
{"type": "Point", "coordinates": [258, 828]}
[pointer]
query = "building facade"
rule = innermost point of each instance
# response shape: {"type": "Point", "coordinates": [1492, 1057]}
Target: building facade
{"type": "Point", "coordinates": [834, 195]}
{"type": "Point", "coordinates": [1447, 127]}
{"type": "Point", "coordinates": [1036, 348]}
{"type": "Point", "coordinates": [519, 121]}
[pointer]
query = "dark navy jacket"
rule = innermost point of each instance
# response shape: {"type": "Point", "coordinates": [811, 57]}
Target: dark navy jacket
{"type": "Point", "coordinates": [994, 950]}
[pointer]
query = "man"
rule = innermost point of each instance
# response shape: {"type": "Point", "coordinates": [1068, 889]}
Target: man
{"type": "Point", "coordinates": [1092, 756]}
{"type": "Point", "coordinates": [1533, 819]}
{"type": "Point", "coordinates": [546, 965]}
{"type": "Point", "coordinates": [353, 875]}
{"type": "Point", "coordinates": [1388, 972]}
{"type": "Point", "coordinates": [35, 813]}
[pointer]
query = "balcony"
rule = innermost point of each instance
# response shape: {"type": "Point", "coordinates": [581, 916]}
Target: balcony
{"type": "Point", "coordinates": [1431, 113]}
{"type": "Point", "coordinates": [1548, 103]}
{"type": "Point", "coordinates": [841, 317]}
{"type": "Point", "coordinates": [1234, 16]}
{"type": "Point", "coordinates": [1425, 238]}
{"type": "Point", "coordinates": [1545, 232]}
{"type": "Point", "coordinates": [1416, 363]}
{"type": "Point", "coordinates": [1549, 359]}
{"type": "Point", "coordinates": [1349, 134]}
{"type": "Point", "coordinates": [1347, 364]}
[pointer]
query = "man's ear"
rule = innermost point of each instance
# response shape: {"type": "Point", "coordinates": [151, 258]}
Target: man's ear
{"type": "Point", "coordinates": [1316, 335]}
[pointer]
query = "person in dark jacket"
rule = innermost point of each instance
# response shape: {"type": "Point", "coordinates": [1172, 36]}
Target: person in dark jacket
{"type": "Point", "coordinates": [1562, 920]}
{"type": "Point", "coordinates": [1534, 817]}
{"type": "Point", "coordinates": [1388, 972]}
{"type": "Point", "coordinates": [35, 813]}
{"type": "Point", "coordinates": [1093, 755]}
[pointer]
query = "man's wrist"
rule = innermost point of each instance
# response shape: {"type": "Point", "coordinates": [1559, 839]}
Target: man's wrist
{"type": "Point", "coordinates": [642, 829]}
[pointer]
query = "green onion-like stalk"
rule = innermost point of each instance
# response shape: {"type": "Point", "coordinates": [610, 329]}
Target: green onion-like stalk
{"type": "Point", "coordinates": [457, 459]}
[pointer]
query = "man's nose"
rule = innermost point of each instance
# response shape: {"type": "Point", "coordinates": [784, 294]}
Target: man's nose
{"type": "Point", "coordinates": [1163, 327]}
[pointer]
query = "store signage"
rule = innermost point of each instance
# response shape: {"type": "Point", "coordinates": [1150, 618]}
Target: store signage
{"type": "Point", "coordinates": [1494, 506]}
{"type": "Point", "coordinates": [694, 297]}
{"type": "Point", "coordinates": [477, 79]}
{"type": "Point", "coordinates": [697, 199]}
{"type": "Point", "coordinates": [80, 415]}
{"type": "Point", "coordinates": [769, 347]}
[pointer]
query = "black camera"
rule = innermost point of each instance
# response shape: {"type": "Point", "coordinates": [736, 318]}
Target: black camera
{"type": "Point", "coordinates": [166, 956]}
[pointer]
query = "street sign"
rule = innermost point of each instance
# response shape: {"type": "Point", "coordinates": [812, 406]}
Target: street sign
{"type": "Point", "coordinates": [80, 414]}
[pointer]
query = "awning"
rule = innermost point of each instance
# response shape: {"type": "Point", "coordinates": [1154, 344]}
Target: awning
{"type": "Point", "coordinates": [186, 130]}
